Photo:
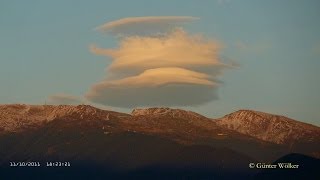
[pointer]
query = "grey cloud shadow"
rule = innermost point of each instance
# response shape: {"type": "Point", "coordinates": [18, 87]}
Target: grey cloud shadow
{"type": "Point", "coordinates": [168, 95]}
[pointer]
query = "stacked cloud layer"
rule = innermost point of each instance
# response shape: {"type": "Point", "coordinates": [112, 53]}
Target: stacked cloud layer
{"type": "Point", "coordinates": [163, 66]}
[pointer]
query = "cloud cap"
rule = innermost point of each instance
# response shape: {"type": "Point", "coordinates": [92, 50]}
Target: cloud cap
{"type": "Point", "coordinates": [170, 86]}
{"type": "Point", "coordinates": [174, 68]}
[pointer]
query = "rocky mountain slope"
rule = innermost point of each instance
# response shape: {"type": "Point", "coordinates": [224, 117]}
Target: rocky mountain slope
{"type": "Point", "coordinates": [164, 111]}
{"type": "Point", "coordinates": [179, 124]}
{"type": "Point", "coordinates": [165, 121]}
{"type": "Point", "coordinates": [250, 132]}
{"type": "Point", "coordinates": [107, 144]}
{"type": "Point", "coordinates": [274, 128]}
{"type": "Point", "coordinates": [269, 127]}
{"type": "Point", "coordinates": [149, 139]}
{"type": "Point", "coordinates": [17, 117]}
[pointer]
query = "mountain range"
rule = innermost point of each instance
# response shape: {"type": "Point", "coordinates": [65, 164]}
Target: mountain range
{"type": "Point", "coordinates": [148, 143]}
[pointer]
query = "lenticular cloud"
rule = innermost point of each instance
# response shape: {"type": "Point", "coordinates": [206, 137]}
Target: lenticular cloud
{"type": "Point", "coordinates": [172, 69]}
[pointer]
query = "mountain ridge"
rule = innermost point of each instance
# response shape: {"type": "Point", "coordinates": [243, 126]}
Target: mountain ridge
{"type": "Point", "coordinates": [15, 117]}
{"type": "Point", "coordinates": [268, 127]}
{"type": "Point", "coordinates": [147, 140]}
{"type": "Point", "coordinates": [160, 111]}
{"type": "Point", "coordinates": [44, 113]}
{"type": "Point", "coordinates": [252, 127]}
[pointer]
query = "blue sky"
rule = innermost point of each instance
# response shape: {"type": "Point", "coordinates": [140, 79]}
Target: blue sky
{"type": "Point", "coordinates": [44, 50]}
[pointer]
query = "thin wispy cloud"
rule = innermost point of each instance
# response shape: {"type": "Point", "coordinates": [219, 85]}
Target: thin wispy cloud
{"type": "Point", "coordinates": [64, 99]}
{"type": "Point", "coordinates": [223, 1]}
{"type": "Point", "coordinates": [148, 25]}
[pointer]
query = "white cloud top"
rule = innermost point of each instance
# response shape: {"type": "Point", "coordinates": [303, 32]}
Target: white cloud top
{"type": "Point", "coordinates": [176, 49]}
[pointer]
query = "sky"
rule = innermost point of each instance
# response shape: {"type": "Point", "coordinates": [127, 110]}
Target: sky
{"type": "Point", "coordinates": [211, 56]}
